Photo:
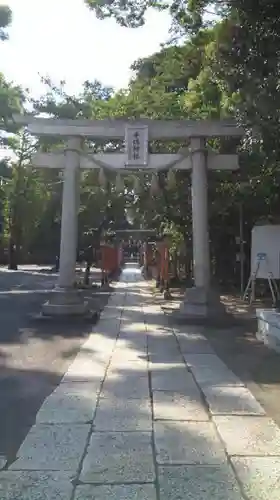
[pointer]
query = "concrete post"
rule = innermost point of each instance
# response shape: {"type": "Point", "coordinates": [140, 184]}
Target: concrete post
{"type": "Point", "coordinates": [201, 253]}
{"type": "Point", "coordinates": [69, 218]}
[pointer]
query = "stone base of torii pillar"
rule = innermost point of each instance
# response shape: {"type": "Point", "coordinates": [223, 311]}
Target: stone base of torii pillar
{"type": "Point", "coordinates": [201, 304]}
{"type": "Point", "coordinates": [65, 302]}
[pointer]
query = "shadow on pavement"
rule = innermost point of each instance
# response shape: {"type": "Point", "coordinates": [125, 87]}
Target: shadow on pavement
{"type": "Point", "coordinates": [32, 353]}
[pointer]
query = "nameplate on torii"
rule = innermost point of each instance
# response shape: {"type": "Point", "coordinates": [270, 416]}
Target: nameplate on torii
{"type": "Point", "coordinates": [137, 146]}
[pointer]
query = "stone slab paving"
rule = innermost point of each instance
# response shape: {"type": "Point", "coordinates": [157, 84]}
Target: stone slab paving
{"type": "Point", "coordinates": [84, 369]}
{"type": "Point", "coordinates": [205, 360]}
{"type": "Point", "coordinates": [259, 477]}
{"type": "Point", "coordinates": [120, 457]}
{"type": "Point", "coordinates": [167, 357]}
{"type": "Point", "coordinates": [115, 492]}
{"type": "Point", "coordinates": [209, 377]}
{"type": "Point", "coordinates": [76, 403]}
{"type": "Point", "coordinates": [121, 363]}
{"type": "Point", "coordinates": [126, 386]}
{"type": "Point", "coordinates": [209, 370]}
{"type": "Point", "coordinates": [162, 343]}
{"type": "Point", "coordinates": [194, 344]}
{"type": "Point", "coordinates": [136, 339]}
{"type": "Point", "coordinates": [108, 326]}
{"type": "Point", "coordinates": [177, 406]}
{"type": "Point", "coordinates": [249, 435]}
{"type": "Point", "coordinates": [232, 400]}
{"type": "Point", "coordinates": [137, 345]}
{"type": "Point", "coordinates": [111, 314]}
{"type": "Point", "coordinates": [129, 355]}
{"type": "Point", "coordinates": [123, 415]}
{"type": "Point", "coordinates": [198, 483]}
{"type": "Point", "coordinates": [126, 368]}
{"type": "Point", "coordinates": [31, 485]}
{"type": "Point", "coordinates": [146, 412]}
{"type": "Point", "coordinates": [132, 345]}
{"type": "Point", "coordinates": [98, 347]}
{"type": "Point", "coordinates": [188, 443]}
{"type": "Point", "coordinates": [52, 447]}
{"type": "Point", "coordinates": [172, 379]}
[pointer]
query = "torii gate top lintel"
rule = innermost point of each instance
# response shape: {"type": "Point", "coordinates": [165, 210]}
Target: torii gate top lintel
{"type": "Point", "coordinates": [116, 128]}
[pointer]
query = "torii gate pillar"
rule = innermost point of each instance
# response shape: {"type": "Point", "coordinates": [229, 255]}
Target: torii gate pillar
{"type": "Point", "coordinates": [201, 255]}
{"type": "Point", "coordinates": [200, 301]}
{"type": "Point", "coordinates": [67, 301]}
{"type": "Point", "coordinates": [69, 216]}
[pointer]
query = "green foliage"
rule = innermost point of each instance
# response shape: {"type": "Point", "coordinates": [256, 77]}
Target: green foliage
{"type": "Point", "coordinates": [186, 14]}
{"type": "Point", "coordinates": [5, 20]}
{"type": "Point", "coordinates": [12, 99]}
{"type": "Point", "coordinates": [89, 104]}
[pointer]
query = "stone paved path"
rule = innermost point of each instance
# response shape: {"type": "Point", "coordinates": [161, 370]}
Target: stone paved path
{"type": "Point", "coordinates": [146, 412]}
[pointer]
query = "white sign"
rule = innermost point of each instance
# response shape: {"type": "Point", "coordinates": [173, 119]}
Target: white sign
{"type": "Point", "coordinates": [265, 251]}
{"type": "Point", "coordinates": [136, 142]}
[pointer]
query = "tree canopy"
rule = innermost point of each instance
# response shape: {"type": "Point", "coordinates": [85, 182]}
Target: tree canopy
{"type": "Point", "coordinates": [185, 13]}
{"type": "Point", "coordinates": [5, 21]}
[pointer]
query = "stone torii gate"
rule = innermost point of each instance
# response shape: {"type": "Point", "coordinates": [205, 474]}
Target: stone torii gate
{"type": "Point", "coordinates": [137, 135]}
